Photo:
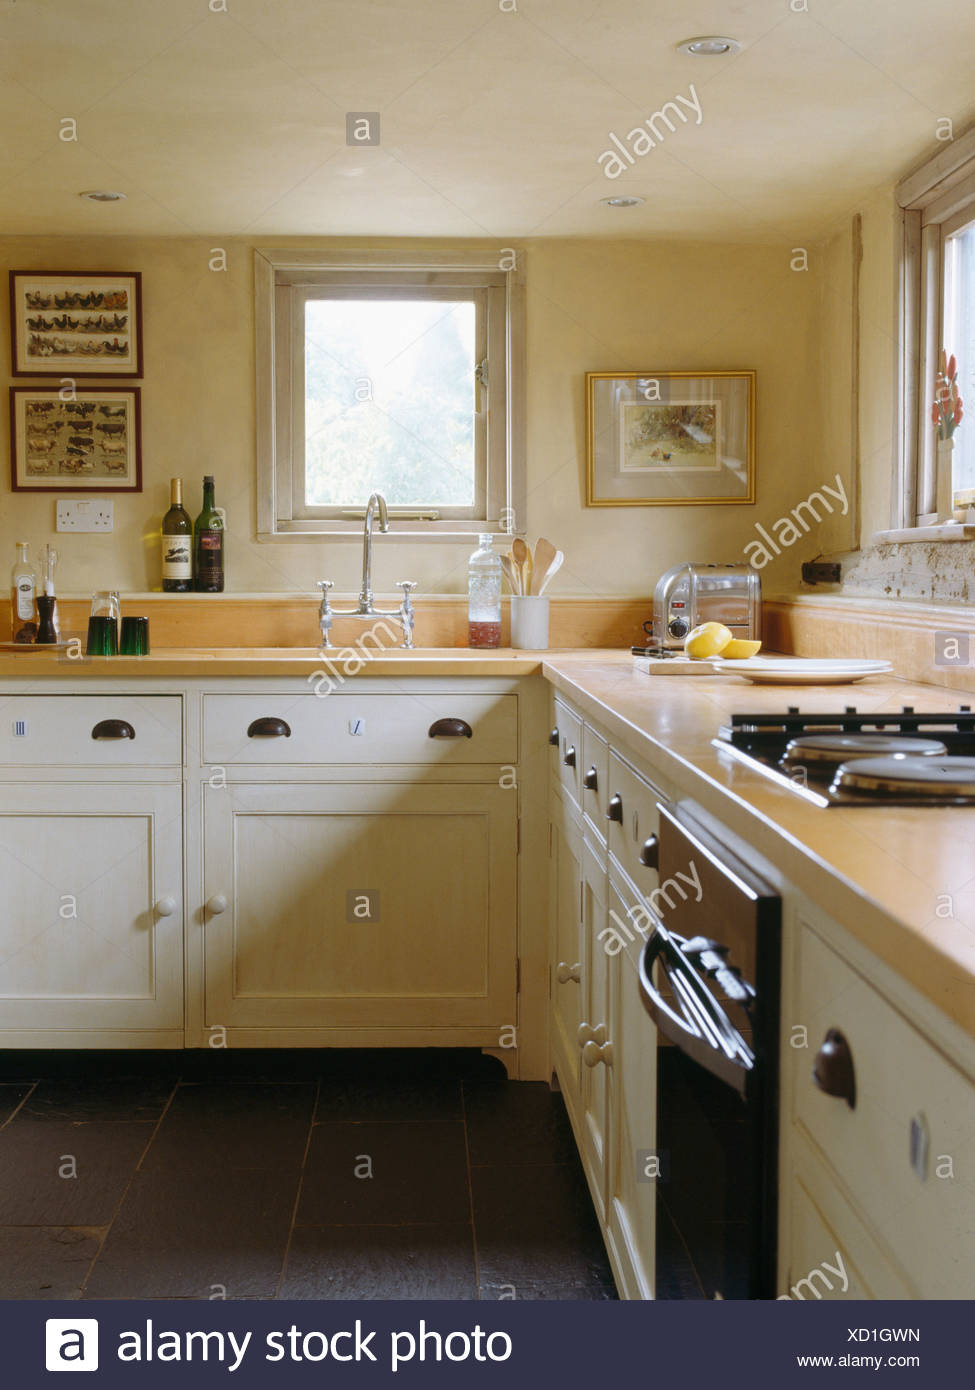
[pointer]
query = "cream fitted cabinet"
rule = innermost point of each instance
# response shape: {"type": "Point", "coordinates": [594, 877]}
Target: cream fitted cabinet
{"type": "Point", "coordinates": [365, 907]}
{"type": "Point", "coordinates": [91, 873]}
{"type": "Point", "coordinates": [603, 1041]}
{"type": "Point", "coordinates": [255, 864]}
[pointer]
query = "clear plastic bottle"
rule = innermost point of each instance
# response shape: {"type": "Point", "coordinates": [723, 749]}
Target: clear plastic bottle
{"type": "Point", "coordinates": [23, 597]}
{"type": "Point", "coordinates": [484, 596]}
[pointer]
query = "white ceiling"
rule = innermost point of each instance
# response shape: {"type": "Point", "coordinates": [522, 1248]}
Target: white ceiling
{"type": "Point", "coordinates": [233, 121]}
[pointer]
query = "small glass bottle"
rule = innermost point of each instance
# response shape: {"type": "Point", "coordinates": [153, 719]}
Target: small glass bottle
{"type": "Point", "coordinates": [208, 545]}
{"type": "Point", "coordinates": [23, 598]}
{"type": "Point", "coordinates": [484, 596]}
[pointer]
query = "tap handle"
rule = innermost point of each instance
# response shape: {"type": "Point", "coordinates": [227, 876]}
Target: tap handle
{"type": "Point", "coordinates": [325, 585]}
{"type": "Point", "coordinates": [407, 585]}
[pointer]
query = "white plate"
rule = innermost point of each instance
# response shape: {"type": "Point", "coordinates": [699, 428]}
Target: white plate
{"type": "Point", "coordinates": [801, 670]}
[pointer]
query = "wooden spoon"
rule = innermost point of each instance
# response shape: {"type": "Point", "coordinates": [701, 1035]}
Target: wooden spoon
{"type": "Point", "coordinates": [511, 573]}
{"type": "Point", "coordinates": [522, 557]}
{"type": "Point", "coordinates": [545, 553]}
{"type": "Point", "coordinates": [552, 570]}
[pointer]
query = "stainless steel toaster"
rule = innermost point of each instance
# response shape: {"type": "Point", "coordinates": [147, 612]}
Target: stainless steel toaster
{"type": "Point", "coordinates": [689, 595]}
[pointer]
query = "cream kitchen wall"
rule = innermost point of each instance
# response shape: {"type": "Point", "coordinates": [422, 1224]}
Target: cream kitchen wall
{"type": "Point", "coordinates": [592, 305]}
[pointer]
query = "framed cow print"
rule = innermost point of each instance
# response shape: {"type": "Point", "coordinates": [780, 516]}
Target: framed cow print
{"type": "Point", "coordinates": [67, 324]}
{"type": "Point", "coordinates": [82, 441]}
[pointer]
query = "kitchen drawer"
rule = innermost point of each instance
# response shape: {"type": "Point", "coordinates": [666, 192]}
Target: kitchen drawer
{"type": "Point", "coordinates": [294, 730]}
{"type": "Point", "coordinates": [595, 779]}
{"type": "Point", "coordinates": [59, 731]}
{"type": "Point", "coordinates": [567, 750]}
{"type": "Point", "coordinates": [926, 1220]}
{"type": "Point", "coordinates": [831, 1254]}
{"type": "Point", "coordinates": [632, 806]}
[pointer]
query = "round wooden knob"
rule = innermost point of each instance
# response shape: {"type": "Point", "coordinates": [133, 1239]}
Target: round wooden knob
{"type": "Point", "coordinates": [165, 907]}
{"type": "Point", "coordinates": [833, 1070]}
{"type": "Point", "coordinates": [565, 972]}
{"type": "Point", "coordinates": [216, 905]}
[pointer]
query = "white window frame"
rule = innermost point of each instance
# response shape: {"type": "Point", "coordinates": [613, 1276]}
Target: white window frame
{"type": "Point", "coordinates": [283, 279]}
{"type": "Point", "coordinates": [934, 201]}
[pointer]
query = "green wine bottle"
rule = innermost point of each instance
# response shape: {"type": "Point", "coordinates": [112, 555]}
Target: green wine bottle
{"type": "Point", "coordinates": [208, 545]}
{"type": "Point", "coordinates": [177, 544]}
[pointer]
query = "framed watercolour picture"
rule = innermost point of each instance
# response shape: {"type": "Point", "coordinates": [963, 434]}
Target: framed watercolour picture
{"type": "Point", "coordinates": [67, 324]}
{"type": "Point", "coordinates": [670, 438]}
{"type": "Point", "coordinates": [90, 443]}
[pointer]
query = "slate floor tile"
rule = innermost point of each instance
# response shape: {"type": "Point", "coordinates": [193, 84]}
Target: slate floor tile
{"type": "Point", "coordinates": [235, 1125]}
{"type": "Point", "coordinates": [389, 1099]}
{"type": "Point", "coordinates": [410, 1172]}
{"type": "Point", "coordinates": [537, 1234]}
{"type": "Point", "coordinates": [376, 1262]}
{"type": "Point", "coordinates": [45, 1261]}
{"type": "Point", "coordinates": [139, 1099]}
{"type": "Point", "coordinates": [10, 1097]}
{"type": "Point", "coordinates": [58, 1174]}
{"type": "Point", "coordinates": [517, 1123]}
{"type": "Point", "coordinates": [191, 1233]}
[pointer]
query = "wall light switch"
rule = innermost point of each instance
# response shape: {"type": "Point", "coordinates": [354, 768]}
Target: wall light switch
{"type": "Point", "coordinates": [87, 514]}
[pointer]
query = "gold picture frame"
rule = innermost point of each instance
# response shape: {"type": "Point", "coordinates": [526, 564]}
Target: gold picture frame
{"type": "Point", "coordinates": [670, 439]}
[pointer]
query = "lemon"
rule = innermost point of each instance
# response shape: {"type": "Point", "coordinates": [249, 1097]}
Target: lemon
{"type": "Point", "coordinates": [739, 649]}
{"type": "Point", "coordinates": [710, 639]}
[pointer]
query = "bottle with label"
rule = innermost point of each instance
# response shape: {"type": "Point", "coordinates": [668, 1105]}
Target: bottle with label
{"type": "Point", "coordinates": [23, 598]}
{"type": "Point", "coordinates": [208, 545]}
{"type": "Point", "coordinates": [177, 544]}
{"type": "Point", "coordinates": [484, 596]}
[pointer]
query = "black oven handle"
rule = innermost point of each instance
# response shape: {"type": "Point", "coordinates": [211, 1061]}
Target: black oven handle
{"type": "Point", "coordinates": [703, 1029]}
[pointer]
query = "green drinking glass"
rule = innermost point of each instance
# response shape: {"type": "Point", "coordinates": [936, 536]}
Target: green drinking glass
{"type": "Point", "coordinates": [102, 636]}
{"type": "Point", "coordinates": [135, 637]}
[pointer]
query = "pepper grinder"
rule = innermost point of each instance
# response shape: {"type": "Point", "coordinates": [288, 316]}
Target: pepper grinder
{"type": "Point", "coordinates": [49, 627]}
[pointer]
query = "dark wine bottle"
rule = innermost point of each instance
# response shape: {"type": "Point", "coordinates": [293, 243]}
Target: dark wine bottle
{"type": "Point", "coordinates": [208, 545]}
{"type": "Point", "coordinates": [177, 544]}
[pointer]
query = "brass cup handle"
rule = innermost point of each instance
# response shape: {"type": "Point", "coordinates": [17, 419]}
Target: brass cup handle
{"type": "Point", "coordinates": [649, 853]}
{"type": "Point", "coordinates": [590, 780]}
{"type": "Point", "coordinates": [268, 726]}
{"type": "Point", "coordinates": [113, 728]}
{"type": "Point", "coordinates": [615, 809]}
{"type": "Point", "coordinates": [450, 728]}
{"type": "Point", "coordinates": [833, 1070]}
{"type": "Point", "coordinates": [593, 1053]}
{"type": "Point", "coordinates": [553, 738]}
{"type": "Point", "coordinates": [566, 972]}
{"type": "Point", "coordinates": [569, 757]}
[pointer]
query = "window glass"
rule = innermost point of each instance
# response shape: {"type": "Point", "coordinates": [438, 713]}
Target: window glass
{"type": "Point", "coordinates": [389, 401]}
{"type": "Point", "coordinates": [959, 341]}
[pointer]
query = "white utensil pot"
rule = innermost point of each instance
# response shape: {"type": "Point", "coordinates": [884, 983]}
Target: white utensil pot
{"type": "Point", "coordinates": [529, 622]}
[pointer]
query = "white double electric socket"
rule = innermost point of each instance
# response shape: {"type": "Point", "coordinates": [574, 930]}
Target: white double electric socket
{"type": "Point", "coordinates": [87, 514]}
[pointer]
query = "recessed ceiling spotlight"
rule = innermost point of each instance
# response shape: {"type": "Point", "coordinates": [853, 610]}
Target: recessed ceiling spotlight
{"type": "Point", "coordinates": [709, 46]}
{"type": "Point", "coordinates": [102, 195]}
{"type": "Point", "coordinates": [621, 202]}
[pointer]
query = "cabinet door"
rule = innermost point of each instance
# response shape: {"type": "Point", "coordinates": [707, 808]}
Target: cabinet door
{"type": "Point", "coordinates": [91, 907]}
{"type": "Point", "coordinates": [632, 1120]}
{"type": "Point", "coordinates": [593, 1036]}
{"type": "Point", "coordinates": [360, 906]}
{"type": "Point", "coordinates": [567, 956]}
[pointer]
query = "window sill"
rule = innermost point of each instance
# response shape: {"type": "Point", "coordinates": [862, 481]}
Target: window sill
{"type": "Point", "coordinates": [949, 531]}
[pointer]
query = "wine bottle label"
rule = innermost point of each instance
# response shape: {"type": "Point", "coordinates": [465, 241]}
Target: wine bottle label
{"type": "Point", "coordinates": [211, 555]}
{"type": "Point", "coordinates": [25, 600]}
{"type": "Point", "coordinates": [177, 562]}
